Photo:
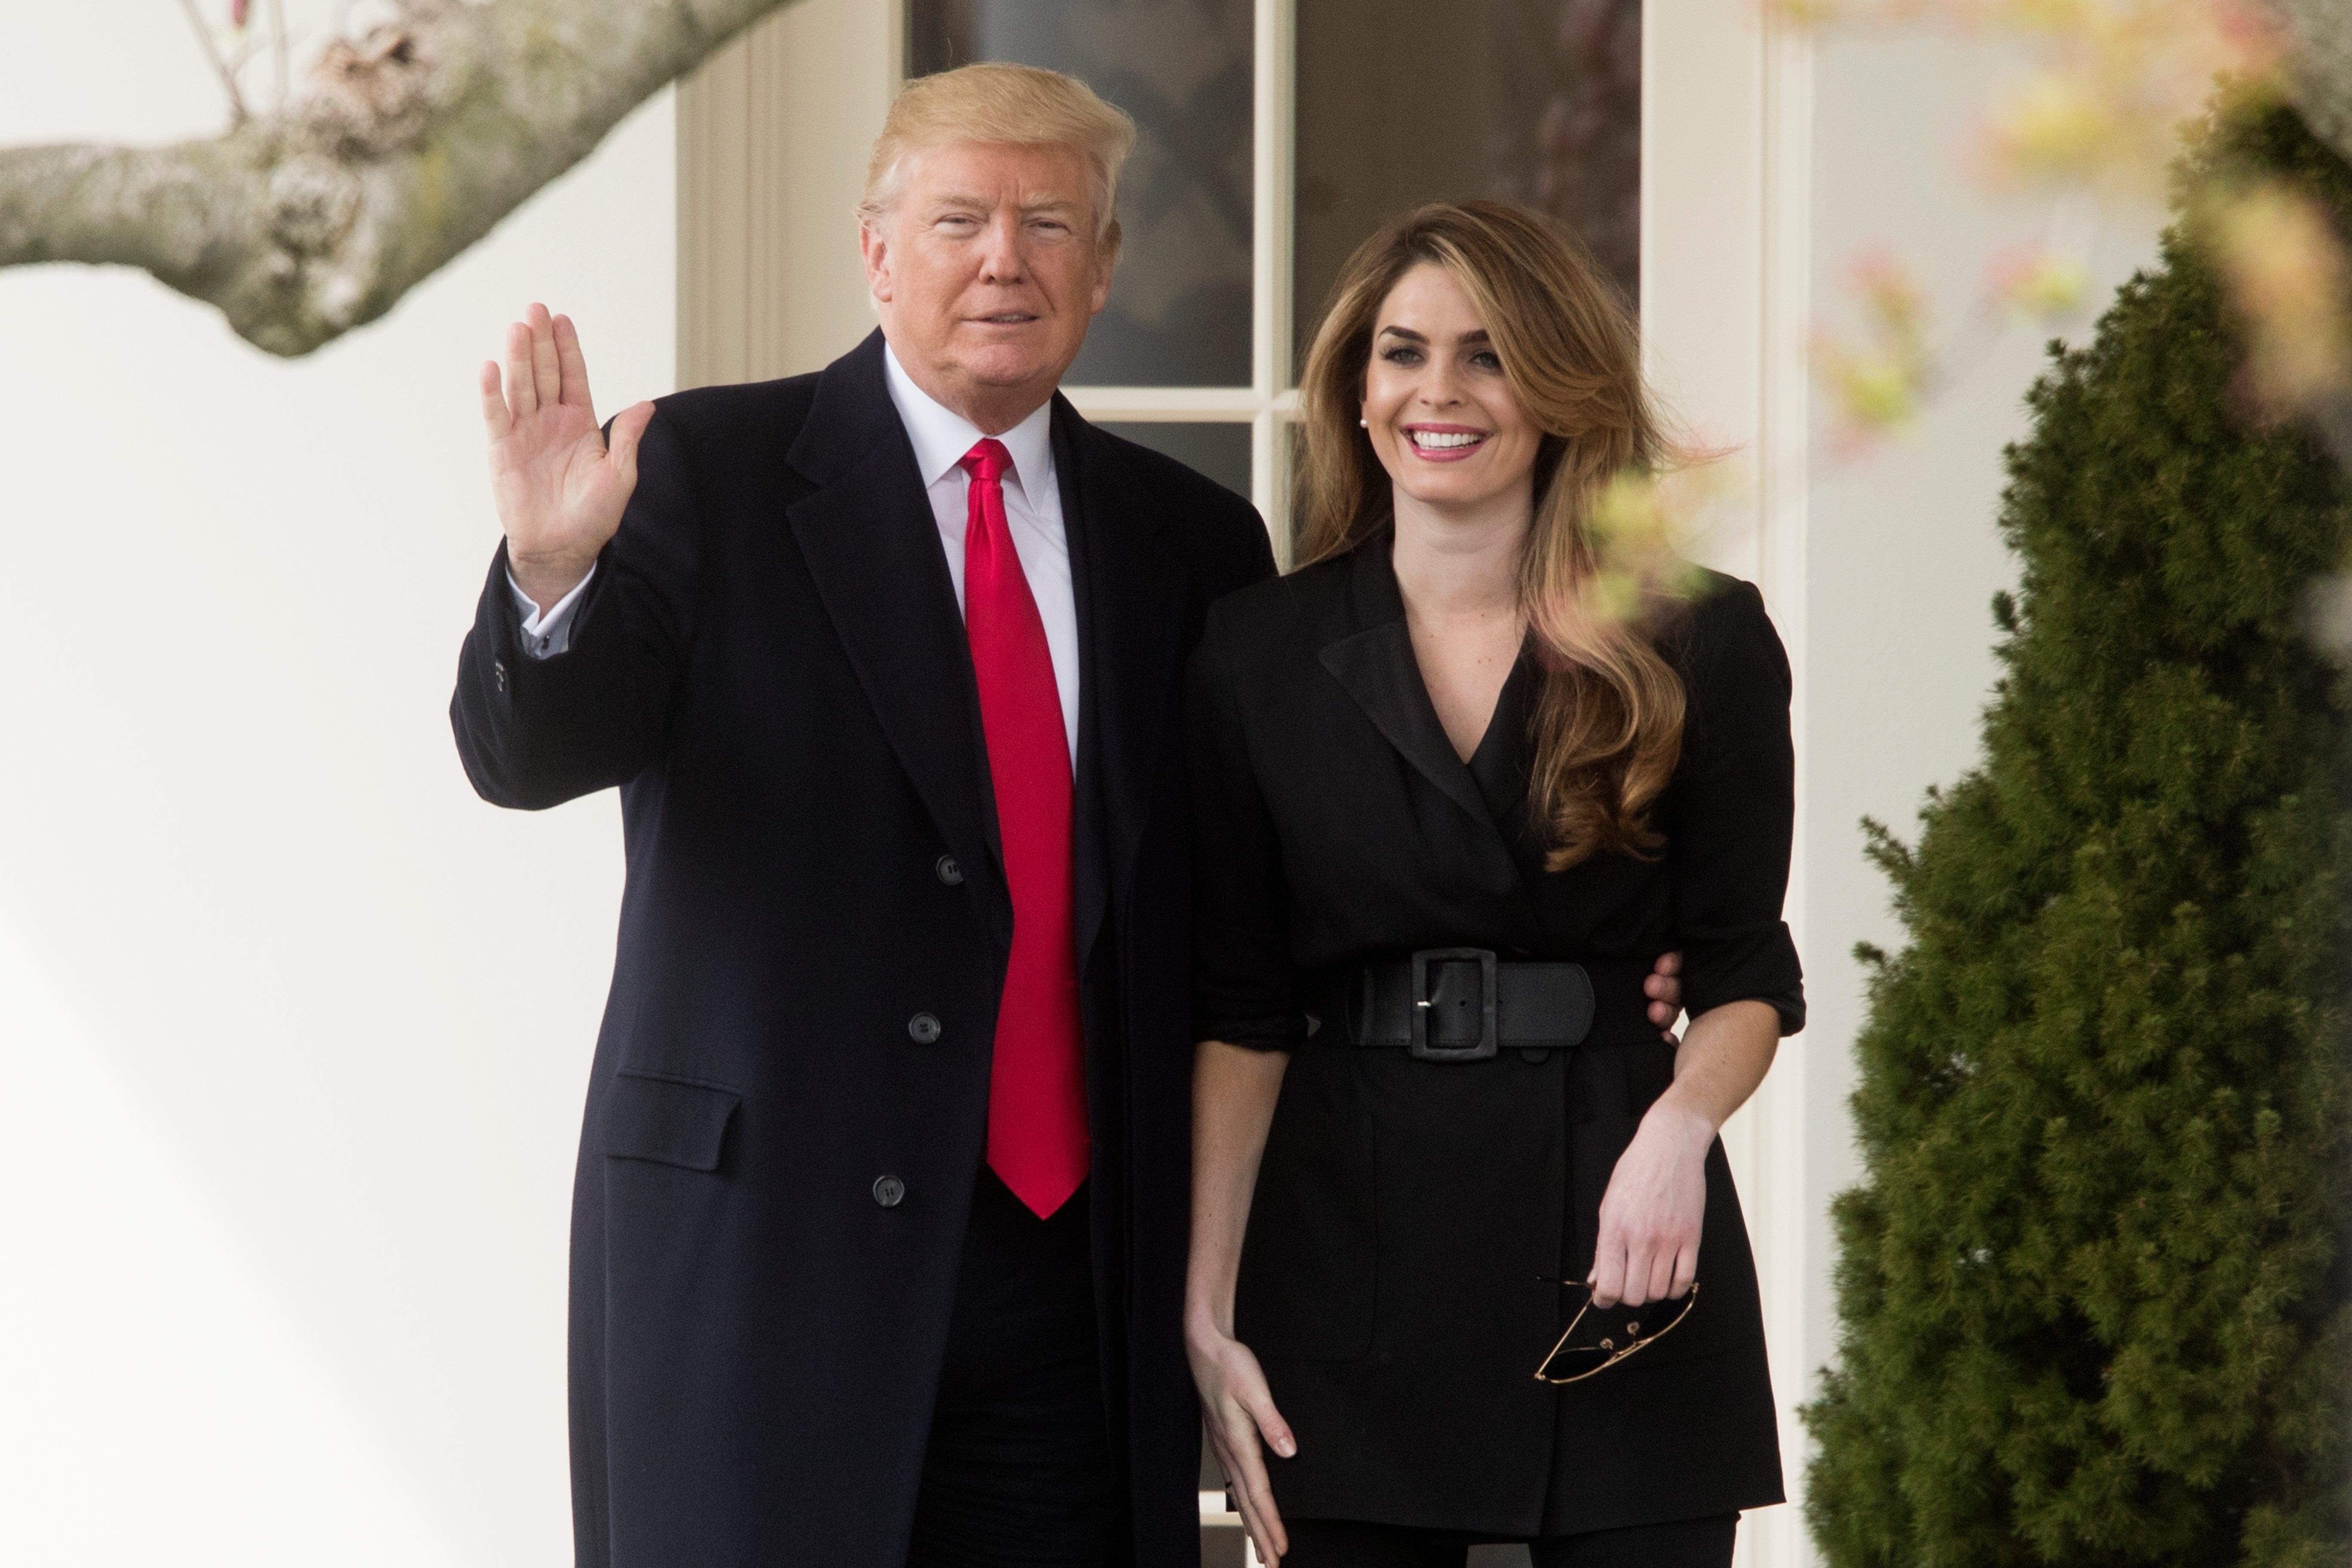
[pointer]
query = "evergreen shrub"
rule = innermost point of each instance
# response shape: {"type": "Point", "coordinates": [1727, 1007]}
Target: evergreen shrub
{"type": "Point", "coordinates": [2091, 1285]}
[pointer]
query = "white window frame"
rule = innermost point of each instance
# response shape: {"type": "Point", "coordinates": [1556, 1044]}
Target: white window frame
{"type": "Point", "coordinates": [1269, 403]}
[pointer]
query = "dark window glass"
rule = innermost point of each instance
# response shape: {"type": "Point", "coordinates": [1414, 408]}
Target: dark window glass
{"type": "Point", "coordinates": [1220, 451]}
{"type": "Point", "coordinates": [1179, 303]}
{"type": "Point", "coordinates": [1401, 102]}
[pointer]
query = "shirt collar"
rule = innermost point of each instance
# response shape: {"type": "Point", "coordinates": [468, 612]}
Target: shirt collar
{"type": "Point", "coordinates": [941, 436]}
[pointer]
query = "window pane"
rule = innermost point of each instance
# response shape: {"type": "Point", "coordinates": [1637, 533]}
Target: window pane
{"type": "Point", "coordinates": [1220, 451]}
{"type": "Point", "coordinates": [1531, 101]}
{"type": "Point", "coordinates": [1179, 303]}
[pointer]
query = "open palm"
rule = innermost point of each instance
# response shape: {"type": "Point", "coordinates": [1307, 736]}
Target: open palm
{"type": "Point", "coordinates": [559, 491]}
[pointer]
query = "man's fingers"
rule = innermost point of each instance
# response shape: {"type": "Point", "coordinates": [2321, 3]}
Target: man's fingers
{"type": "Point", "coordinates": [1670, 964]}
{"type": "Point", "coordinates": [547, 374]}
{"type": "Point", "coordinates": [493, 402]}
{"type": "Point", "coordinates": [571, 365]}
{"type": "Point", "coordinates": [629, 430]}
{"type": "Point", "coordinates": [522, 382]}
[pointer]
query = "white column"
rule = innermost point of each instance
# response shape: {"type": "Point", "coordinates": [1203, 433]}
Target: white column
{"type": "Point", "coordinates": [1725, 217]}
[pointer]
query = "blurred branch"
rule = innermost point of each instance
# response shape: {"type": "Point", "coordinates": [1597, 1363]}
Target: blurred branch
{"type": "Point", "coordinates": [280, 59]}
{"type": "Point", "coordinates": [400, 150]}
{"type": "Point", "coordinates": [221, 67]}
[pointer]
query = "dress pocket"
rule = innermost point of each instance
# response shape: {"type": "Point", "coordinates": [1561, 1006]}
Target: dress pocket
{"type": "Point", "coordinates": [667, 1120]}
{"type": "Point", "coordinates": [1307, 1286]}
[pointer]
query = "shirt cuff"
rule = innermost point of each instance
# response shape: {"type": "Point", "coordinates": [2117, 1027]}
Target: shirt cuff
{"type": "Point", "coordinates": [546, 633]}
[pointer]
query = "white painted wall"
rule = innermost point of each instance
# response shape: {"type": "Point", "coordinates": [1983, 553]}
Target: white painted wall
{"type": "Point", "coordinates": [293, 1029]}
{"type": "Point", "coordinates": [1767, 166]}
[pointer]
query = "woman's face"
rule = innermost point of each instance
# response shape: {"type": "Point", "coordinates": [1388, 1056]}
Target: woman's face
{"type": "Point", "coordinates": [1440, 413]}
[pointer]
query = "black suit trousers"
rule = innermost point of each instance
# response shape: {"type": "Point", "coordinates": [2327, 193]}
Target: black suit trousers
{"type": "Point", "coordinates": [1018, 1471]}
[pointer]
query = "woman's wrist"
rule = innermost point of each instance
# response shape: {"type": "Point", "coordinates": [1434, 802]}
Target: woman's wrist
{"type": "Point", "coordinates": [1691, 1130]}
{"type": "Point", "coordinates": [1203, 1323]}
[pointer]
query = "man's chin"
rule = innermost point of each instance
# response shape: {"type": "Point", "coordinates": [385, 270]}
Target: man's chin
{"type": "Point", "coordinates": [1008, 365]}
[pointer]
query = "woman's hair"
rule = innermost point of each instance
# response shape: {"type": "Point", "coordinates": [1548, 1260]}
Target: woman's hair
{"type": "Point", "coordinates": [1002, 104]}
{"type": "Point", "coordinates": [1607, 725]}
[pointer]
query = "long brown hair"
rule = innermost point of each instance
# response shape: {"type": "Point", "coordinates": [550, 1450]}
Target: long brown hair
{"type": "Point", "coordinates": [1608, 723]}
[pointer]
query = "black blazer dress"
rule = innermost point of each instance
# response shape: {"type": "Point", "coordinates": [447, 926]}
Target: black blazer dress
{"type": "Point", "coordinates": [1412, 1220]}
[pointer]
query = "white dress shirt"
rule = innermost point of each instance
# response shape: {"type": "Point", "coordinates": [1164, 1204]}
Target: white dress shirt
{"type": "Point", "coordinates": [941, 437]}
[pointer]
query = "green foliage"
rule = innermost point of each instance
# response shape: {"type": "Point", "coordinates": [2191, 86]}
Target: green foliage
{"type": "Point", "coordinates": [2093, 1286]}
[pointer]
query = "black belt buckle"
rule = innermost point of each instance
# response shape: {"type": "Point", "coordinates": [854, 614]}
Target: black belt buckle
{"type": "Point", "coordinates": [1419, 1045]}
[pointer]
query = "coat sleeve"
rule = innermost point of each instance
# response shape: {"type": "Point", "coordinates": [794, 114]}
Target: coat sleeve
{"type": "Point", "coordinates": [1735, 812]}
{"type": "Point", "coordinates": [1246, 989]}
{"type": "Point", "coordinates": [534, 733]}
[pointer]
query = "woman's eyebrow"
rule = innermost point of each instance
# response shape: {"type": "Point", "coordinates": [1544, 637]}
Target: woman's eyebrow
{"type": "Point", "coordinates": [1475, 335]}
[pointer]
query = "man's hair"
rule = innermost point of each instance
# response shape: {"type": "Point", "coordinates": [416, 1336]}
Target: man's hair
{"type": "Point", "coordinates": [1002, 105]}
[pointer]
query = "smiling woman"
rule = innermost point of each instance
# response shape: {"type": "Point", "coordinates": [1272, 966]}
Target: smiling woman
{"type": "Point", "coordinates": [1448, 812]}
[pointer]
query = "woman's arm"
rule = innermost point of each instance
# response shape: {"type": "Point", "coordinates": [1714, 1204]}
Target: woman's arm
{"type": "Point", "coordinates": [1656, 1201]}
{"type": "Point", "coordinates": [1234, 1091]}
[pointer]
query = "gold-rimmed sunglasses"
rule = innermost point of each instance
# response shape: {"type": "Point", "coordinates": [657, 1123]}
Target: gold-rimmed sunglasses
{"type": "Point", "coordinates": [1613, 1334]}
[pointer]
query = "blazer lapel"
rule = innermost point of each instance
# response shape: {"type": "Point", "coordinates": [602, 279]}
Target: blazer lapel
{"type": "Point", "coordinates": [1375, 664]}
{"type": "Point", "coordinates": [1128, 624]}
{"type": "Point", "coordinates": [870, 543]}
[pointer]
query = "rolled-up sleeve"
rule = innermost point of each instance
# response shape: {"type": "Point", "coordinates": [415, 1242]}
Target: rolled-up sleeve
{"type": "Point", "coordinates": [1735, 812]}
{"type": "Point", "coordinates": [1246, 989]}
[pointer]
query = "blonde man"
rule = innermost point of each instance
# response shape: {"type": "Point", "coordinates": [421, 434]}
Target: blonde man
{"type": "Point", "coordinates": [878, 1239]}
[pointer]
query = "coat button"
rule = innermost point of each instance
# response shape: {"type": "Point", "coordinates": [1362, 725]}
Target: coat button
{"type": "Point", "coordinates": [922, 1028]}
{"type": "Point", "coordinates": [949, 871]}
{"type": "Point", "coordinates": [889, 1191]}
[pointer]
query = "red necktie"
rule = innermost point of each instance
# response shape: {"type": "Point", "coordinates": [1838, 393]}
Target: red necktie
{"type": "Point", "coordinates": [1037, 1083]}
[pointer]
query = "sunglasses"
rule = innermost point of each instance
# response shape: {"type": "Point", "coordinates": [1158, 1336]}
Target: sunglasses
{"type": "Point", "coordinates": [1599, 1338]}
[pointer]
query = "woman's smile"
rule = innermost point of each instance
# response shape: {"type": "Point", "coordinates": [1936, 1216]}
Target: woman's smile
{"type": "Point", "coordinates": [1445, 443]}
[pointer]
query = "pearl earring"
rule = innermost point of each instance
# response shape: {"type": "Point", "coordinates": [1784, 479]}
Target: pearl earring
{"type": "Point", "coordinates": [1364, 424]}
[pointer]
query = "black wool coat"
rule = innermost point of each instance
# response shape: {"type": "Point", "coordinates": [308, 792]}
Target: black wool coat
{"type": "Point", "coordinates": [1401, 1277]}
{"type": "Point", "coordinates": [771, 666]}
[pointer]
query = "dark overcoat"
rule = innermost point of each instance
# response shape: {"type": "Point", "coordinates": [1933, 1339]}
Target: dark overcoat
{"type": "Point", "coordinates": [1413, 1221]}
{"type": "Point", "coordinates": [771, 666]}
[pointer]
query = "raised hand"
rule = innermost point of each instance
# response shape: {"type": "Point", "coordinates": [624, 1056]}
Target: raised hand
{"type": "Point", "coordinates": [560, 493]}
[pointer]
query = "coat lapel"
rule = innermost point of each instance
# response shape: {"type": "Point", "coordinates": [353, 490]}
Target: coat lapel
{"type": "Point", "coordinates": [1375, 664]}
{"type": "Point", "coordinates": [872, 547]}
{"type": "Point", "coordinates": [1128, 607]}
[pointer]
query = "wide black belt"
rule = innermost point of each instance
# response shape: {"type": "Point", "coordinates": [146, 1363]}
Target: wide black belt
{"type": "Point", "coordinates": [1465, 1005]}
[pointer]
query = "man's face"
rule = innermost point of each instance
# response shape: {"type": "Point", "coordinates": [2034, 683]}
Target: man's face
{"type": "Point", "coordinates": [986, 272]}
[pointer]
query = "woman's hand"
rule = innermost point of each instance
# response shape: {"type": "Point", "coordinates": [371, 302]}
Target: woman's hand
{"type": "Point", "coordinates": [1650, 1217]}
{"type": "Point", "coordinates": [1241, 1415]}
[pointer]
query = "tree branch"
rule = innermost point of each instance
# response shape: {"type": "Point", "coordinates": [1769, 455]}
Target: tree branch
{"type": "Point", "coordinates": [220, 67]}
{"type": "Point", "coordinates": [403, 149]}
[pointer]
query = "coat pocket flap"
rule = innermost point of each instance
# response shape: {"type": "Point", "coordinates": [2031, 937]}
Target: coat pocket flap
{"type": "Point", "coordinates": [667, 1119]}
